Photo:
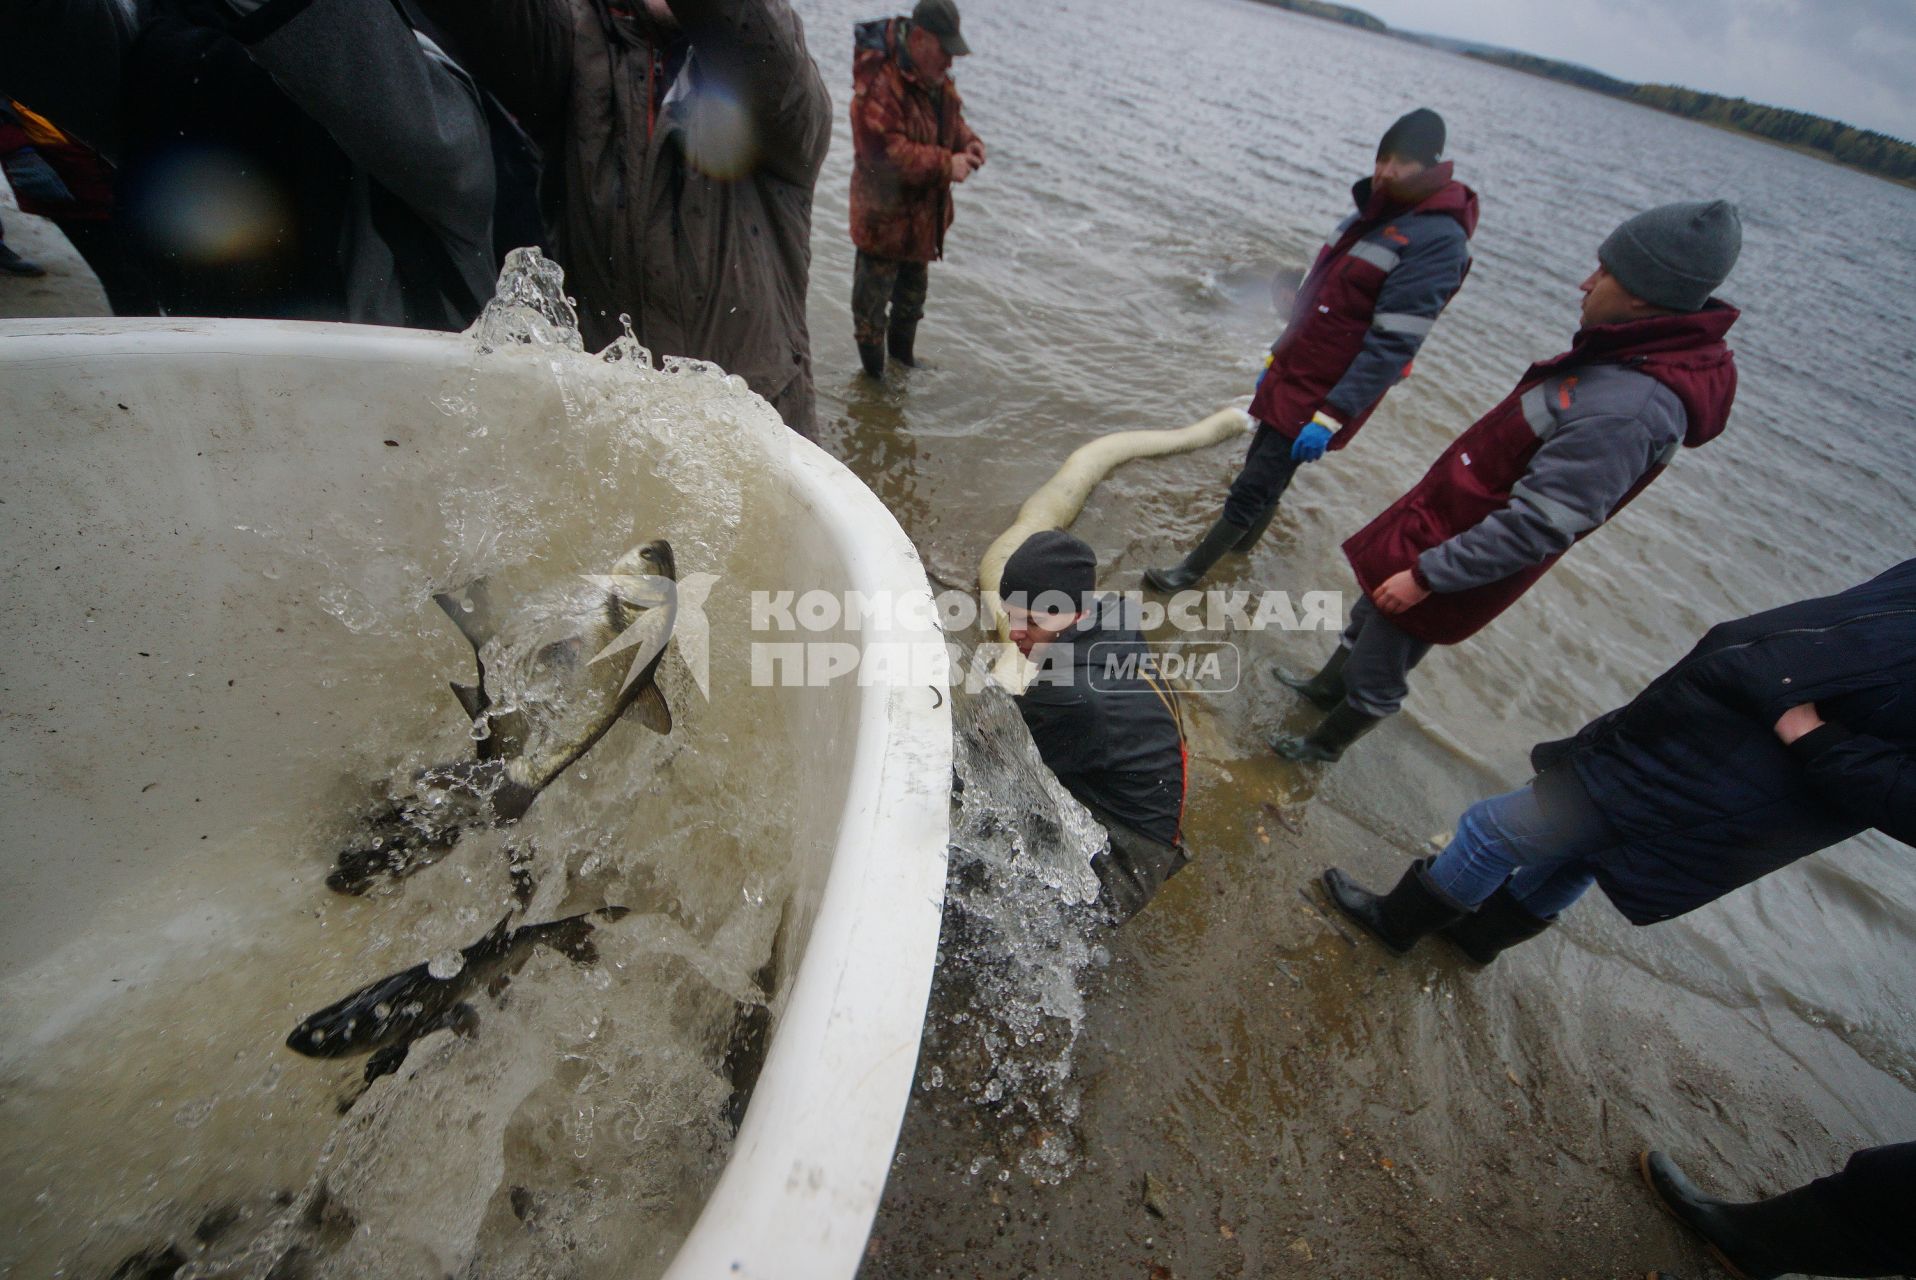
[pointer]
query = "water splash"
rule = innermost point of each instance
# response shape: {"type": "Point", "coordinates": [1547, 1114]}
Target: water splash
{"type": "Point", "coordinates": [1019, 936]}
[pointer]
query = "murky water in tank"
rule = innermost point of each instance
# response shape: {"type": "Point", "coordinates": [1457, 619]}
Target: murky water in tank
{"type": "Point", "coordinates": [149, 1107]}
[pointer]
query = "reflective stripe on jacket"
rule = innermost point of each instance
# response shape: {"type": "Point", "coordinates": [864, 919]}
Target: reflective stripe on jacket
{"type": "Point", "coordinates": [1487, 471]}
{"type": "Point", "coordinates": [1367, 305]}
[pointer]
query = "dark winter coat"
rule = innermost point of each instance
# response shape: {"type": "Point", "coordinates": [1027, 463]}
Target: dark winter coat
{"type": "Point", "coordinates": [354, 161]}
{"type": "Point", "coordinates": [1580, 437]}
{"type": "Point", "coordinates": [1694, 779]}
{"type": "Point", "coordinates": [679, 169]}
{"type": "Point", "coordinates": [904, 134]}
{"type": "Point", "coordinates": [1367, 305]}
{"type": "Point", "coordinates": [1112, 738]}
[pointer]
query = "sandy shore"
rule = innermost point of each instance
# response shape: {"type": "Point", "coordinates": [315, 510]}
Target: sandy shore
{"type": "Point", "coordinates": [1303, 1103]}
{"type": "Point", "coordinates": [68, 288]}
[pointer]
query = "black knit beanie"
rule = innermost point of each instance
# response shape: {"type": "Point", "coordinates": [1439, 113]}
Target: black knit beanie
{"type": "Point", "coordinates": [1417, 136]}
{"type": "Point", "coordinates": [1049, 561]}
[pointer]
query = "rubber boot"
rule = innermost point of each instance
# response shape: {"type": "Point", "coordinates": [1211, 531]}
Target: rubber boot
{"type": "Point", "coordinates": [1326, 688]}
{"type": "Point", "coordinates": [1191, 570]}
{"type": "Point", "coordinates": [1784, 1235]}
{"type": "Point", "coordinates": [1399, 918]}
{"type": "Point", "coordinates": [1258, 526]}
{"type": "Point", "coordinates": [899, 339]}
{"type": "Point", "coordinates": [1327, 743]}
{"type": "Point", "coordinates": [1499, 923]}
{"type": "Point", "coordinates": [873, 356]}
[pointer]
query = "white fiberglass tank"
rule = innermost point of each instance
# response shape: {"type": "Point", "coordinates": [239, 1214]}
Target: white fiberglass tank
{"type": "Point", "coordinates": [222, 654]}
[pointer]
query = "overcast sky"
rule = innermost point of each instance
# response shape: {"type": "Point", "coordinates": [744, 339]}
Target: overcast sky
{"type": "Point", "coordinates": [1853, 60]}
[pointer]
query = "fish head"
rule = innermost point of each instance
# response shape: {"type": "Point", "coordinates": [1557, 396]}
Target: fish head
{"type": "Point", "coordinates": [653, 558]}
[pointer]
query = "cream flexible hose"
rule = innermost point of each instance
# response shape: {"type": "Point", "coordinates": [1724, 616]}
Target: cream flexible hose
{"type": "Point", "coordinates": [1057, 502]}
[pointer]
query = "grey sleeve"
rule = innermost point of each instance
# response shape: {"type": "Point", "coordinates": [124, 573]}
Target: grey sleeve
{"type": "Point", "coordinates": [758, 48]}
{"type": "Point", "coordinates": [1573, 483]}
{"type": "Point", "coordinates": [1414, 294]}
{"type": "Point", "coordinates": [65, 59]}
{"type": "Point", "coordinates": [398, 109]}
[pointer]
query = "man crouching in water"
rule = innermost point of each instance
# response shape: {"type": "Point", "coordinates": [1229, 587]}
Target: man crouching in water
{"type": "Point", "coordinates": [1107, 729]}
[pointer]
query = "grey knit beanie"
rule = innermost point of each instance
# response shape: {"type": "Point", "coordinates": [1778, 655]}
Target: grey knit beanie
{"type": "Point", "coordinates": [1050, 571]}
{"type": "Point", "coordinates": [1676, 255]}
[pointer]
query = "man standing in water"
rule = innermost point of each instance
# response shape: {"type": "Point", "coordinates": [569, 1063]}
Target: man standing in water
{"type": "Point", "coordinates": [910, 143]}
{"type": "Point", "coordinates": [1779, 735]}
{"type": "Point", "coordinates": [1108, 730]}
{"type": "Point", "coordinates": [682, 143]}
{"type": "Point", "coordinates": [1358, 320]}
{"type": "Point", "coordinates": [1581, 435]}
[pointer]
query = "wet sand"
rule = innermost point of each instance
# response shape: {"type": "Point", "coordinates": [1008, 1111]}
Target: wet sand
{"type": "Point", "coordinates": [1305, 1103]}
{"type": "Point", "coordinates": [67, 289]}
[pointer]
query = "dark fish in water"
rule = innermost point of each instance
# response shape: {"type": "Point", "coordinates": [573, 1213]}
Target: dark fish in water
{"type": "Point", "coordinates": [751, 1033]}
{"type": "Point", "coordinates": [383, 1018]}
{"type": "Point", "coordinates": [553, 692]}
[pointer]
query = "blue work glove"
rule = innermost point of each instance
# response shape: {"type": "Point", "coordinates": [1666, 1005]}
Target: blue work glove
{"type": "Point", "coordinates": [1311, 442]}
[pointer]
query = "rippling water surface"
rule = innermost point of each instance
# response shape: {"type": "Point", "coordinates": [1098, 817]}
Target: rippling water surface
{"type": "Point", "coordinates": [1152, 165]}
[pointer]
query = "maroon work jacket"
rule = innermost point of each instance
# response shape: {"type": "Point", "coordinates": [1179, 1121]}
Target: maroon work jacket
{"type": "Point", "coordinates": [1334, 306]}
{"type": "Point", "coordinates": [1475, 475]}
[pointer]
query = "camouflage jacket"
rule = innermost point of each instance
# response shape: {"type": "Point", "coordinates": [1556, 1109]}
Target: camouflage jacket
{"type": "Point", "coordinates": [904, 134]}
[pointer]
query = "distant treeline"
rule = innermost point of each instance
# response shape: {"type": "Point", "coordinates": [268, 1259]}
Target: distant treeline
{"type": "Point", "coordinates": [1333, 12]}
{"type": "Point", "coordinates": [1860, 148]}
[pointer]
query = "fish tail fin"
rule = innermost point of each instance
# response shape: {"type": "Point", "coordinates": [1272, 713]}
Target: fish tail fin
{"type": "Point", "coordinates": [652, 711]}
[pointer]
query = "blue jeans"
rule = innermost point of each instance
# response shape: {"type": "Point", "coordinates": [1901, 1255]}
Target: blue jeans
{"type": "Point", "coordinates": [1548, 856]}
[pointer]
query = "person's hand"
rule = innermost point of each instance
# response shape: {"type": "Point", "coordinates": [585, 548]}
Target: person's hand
{"type": "Point", "coordinates": [1311, 442]}
{"type": "Point", "coordinates": [1797, 721]}
{"type": "Point", "coordinates": [976, 150]}
{"type": "Point", "coordinates": [1398, 593]}
{"type": "Point", "coordinates": [961, 166]}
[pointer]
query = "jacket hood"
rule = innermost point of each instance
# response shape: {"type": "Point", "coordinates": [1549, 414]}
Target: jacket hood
{"type": "Point", "coordinates": [1436, 192]}
{"type": "Point", "coordinates": [1686, 353]}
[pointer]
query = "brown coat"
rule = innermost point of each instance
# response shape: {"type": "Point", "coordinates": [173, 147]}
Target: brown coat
{"type": "Point", "coordinates": [904, 133]}
{"type": "Point", "coordinates": [678, 184]}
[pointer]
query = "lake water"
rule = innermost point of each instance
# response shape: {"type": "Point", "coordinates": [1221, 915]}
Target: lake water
{"type": "Point", "coordinates": [1152, 165]}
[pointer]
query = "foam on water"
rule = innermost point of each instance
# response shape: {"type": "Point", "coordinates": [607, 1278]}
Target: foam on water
{"type": "Point", "coordinates": [147, 1101]}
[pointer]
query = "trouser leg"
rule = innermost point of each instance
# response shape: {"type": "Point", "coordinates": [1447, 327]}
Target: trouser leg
{"type": "Point", "coordinates": [1873, 1194]}
{"type": "Point", "coordinates": [1261, 481]}
{"type": "Point", "coordinates": [1376, 675]}
{"type": "Point", "coordinates": [103, 245]}
{"type": "Point", "coordinates": [909, 288]}
{"type": "Point", "coordinates": [873, 281]}
{"type": "Point", "coordinates": [1514, 834]}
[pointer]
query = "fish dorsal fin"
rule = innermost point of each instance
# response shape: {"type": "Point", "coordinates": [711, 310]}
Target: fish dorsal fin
{"type": "Point", "coordinates": [470, 608]}
{"type": "Point", "coordinates": [650, 707]}
{"type": "Point", "coordinates": [471, 698]}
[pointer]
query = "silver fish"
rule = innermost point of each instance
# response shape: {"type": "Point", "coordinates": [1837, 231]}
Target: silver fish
{"type": "Point", "coordinates": [553, 676]}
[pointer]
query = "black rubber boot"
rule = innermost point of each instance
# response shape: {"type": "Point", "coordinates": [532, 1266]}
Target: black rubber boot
{"type": "Point", "coordinates": [1327, 742]}
{"type": "Point", "coordinates": [873, 356]}
{"type": "Point", "coordinates": [1258, 526]}
{"type": "Point", "coordinates": [899, 339]}
{"type": "Point", "coordinates": [1784, 1235]}
{"type": "Point", "coordinates": [1399, 918]}
{"type": "Point", "coordinates": [1191, 570]}
{"type": "Point", "coordinates": [1326, 688]}
{"type": "Point", "coordinates": [1499, 923]}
